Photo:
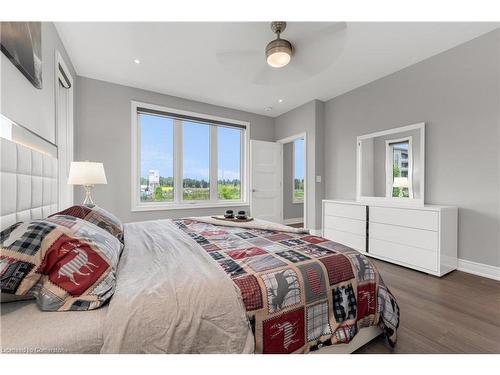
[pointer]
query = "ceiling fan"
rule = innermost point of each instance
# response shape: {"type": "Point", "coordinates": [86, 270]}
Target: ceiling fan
{"type": "Point", "coordinates": [312, 47]}
{"type": "Point", "coordinates": [279, 51]}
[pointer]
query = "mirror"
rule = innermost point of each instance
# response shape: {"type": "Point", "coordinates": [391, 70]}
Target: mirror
{"type": "Point", "coordinates": [391, 165]}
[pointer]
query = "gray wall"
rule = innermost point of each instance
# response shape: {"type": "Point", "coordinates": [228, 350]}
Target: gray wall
{"type": "Point", "coordinates": [104, 134]}
{"type": "Point", "coordinates": [20, 101]}
{"type": "Point", "coordinates": [290, 210]}
{"type": "Point", "coordinates": [308, 118]}
{"type": "Point", "coordinates": [457, 94]}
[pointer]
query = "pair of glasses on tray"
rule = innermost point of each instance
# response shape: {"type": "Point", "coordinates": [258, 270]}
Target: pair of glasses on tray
{"type": "Point", "coordinates": [230, 216]}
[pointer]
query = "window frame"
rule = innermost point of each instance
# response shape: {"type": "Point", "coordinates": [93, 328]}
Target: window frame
{"type": "Point", "coordinates": [178, 202]}
{"type": "Point", "coordinates": [294, 199]}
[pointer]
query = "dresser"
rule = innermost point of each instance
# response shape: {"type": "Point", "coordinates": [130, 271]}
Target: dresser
{"type": "Point", "coordinates": [422, 238]}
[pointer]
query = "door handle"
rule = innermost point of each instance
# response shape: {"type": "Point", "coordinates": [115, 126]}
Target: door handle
{"type": "Point", "coordinates": [254, 190]}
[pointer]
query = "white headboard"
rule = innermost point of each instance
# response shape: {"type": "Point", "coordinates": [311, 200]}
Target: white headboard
{"type": "Point", "coordinates": [28, 183]}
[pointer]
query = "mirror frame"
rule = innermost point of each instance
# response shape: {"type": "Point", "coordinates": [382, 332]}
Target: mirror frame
{"type": "Point", "coordinates": [392, 201]}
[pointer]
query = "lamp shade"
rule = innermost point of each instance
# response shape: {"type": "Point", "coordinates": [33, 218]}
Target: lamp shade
{"type": "Point", "coordinates": [86, 173]}
{"type": "Point", "coordinates": [400, 182]}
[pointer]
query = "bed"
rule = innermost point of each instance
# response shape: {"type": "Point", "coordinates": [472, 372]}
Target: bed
{"type": "Point", "coordinates": [194, 285]}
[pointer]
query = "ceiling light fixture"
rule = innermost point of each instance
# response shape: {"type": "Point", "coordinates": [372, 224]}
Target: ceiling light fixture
{"type": "Point", "coordinates": [267, 109]}
{"type": "Point", "coordinates": [279, 51]}
{"type": "Point", "coordinates": [280, 100]}
{"type": "Point", "coordinates": [137, 61]}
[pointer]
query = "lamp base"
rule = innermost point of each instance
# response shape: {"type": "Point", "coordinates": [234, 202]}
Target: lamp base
{"type": "Point", "coordinates": [88, 202]}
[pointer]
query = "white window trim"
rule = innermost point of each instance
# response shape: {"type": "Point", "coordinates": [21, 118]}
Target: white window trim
{"type": "Point", "coordinates": [295, 200]}
{"type": "Point", "coordinates": [389, 162]}
{"type": "Point", "coordinates": [137, 205]}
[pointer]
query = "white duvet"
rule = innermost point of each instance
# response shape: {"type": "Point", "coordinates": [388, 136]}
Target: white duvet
{"type": "Point", "coordinates": [171, 297]}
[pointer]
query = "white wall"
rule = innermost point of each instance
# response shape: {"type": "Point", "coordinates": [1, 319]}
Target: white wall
{"type": "Point", "coordinates": [20, 101]}
{"type": "Point", "coordinates": [457, 94]}
{"type": "Point", "coordinates": [103, 133]}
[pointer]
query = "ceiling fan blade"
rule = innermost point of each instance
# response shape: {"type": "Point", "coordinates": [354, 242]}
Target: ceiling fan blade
{"type": "Point", "coordinates": [262, 77]}
{"type": "Point", "coordinates": [292, 72]}
{"type": "Point", "coordinates": [224, 57]}
{"type": "Point", "coordinates": [303, 67]}
{"type": "Point", "coordinates": [317, 35]}
{"type": "Point", "coordinates": [314, 52]}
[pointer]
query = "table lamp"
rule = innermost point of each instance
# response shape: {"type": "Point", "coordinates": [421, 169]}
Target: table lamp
{"type": "Point", "coordinates": [87, 174]}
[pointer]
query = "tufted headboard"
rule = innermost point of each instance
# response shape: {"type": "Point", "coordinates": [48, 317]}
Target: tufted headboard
{"type": "Point", "coordinates": [28, 183]}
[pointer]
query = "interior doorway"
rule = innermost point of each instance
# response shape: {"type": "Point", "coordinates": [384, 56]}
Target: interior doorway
{"type": "Point", "coordinates": [294, 181]}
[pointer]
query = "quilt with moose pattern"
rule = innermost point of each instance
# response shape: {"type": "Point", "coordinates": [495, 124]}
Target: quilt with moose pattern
{"type": "Point", "coordinates": [64, 262]}
{"type": "Point", "coordinates": [300, 291]}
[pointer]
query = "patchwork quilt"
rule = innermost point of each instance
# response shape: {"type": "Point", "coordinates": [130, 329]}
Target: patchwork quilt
{"type": "Point", "coordinates": [97, 216]}
{"type": "Point", "coordinates": [65, 262]}
{"type": "Point", "coordinates": [300, 291]}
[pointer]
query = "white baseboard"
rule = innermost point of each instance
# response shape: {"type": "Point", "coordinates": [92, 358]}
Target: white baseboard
{"type": "Point", "coordinates": [315, 232]}
{"type": "Point", "coordinates": [480, 269]}
{"type": "Point", "coordinates": [295, 220]}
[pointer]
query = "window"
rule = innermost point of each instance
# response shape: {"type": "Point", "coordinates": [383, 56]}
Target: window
{"type": "Point", "coordinates": [196, 161]}
{"type": "Point", "coordinates": [181, 159]}
{"type": "Point", "coordinates": [298, 171]}
{"type": "Point", "coordinates": [157, 156]}
{"type": "Point", "coordinates": [398, 168]}
{"type": "Point", "coordinates": [229, 163]}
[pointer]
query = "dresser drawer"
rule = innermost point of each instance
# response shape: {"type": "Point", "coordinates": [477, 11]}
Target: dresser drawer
{"type": "Point", "coordinates": [421, 219]}
{"type": "Point", "coordinates": [406, 255]}
{"type": "Point", "coordinates": [345, 224]}
{"type": "Point", "coordinates": [351, 211]}
{"type": "Point", "coordinates": [348, 239]}
{"type": "Point", "coordinates": [424, 239]}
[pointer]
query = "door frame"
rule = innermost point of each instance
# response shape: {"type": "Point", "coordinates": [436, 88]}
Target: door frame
{"type": "Point", "coordinates": [283, 141]}
{"type": "Point", "coordinates": [63, 73]}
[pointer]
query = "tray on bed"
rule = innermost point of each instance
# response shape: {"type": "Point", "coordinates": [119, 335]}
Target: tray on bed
{"type": "Point", "coordinates": [234, 220]}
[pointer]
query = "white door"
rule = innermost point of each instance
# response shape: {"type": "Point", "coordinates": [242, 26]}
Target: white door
{"type": "Point", "coordinates": [265, 181]}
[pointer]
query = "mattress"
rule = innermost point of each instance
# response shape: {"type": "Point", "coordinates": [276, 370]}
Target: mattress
{"type": "Point", "coordinates": [26, 329]}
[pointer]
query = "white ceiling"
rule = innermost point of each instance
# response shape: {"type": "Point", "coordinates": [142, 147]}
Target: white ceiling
{"type": "Point", "coordinates": [224, 63]}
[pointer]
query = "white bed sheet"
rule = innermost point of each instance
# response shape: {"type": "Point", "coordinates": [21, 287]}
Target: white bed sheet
{"type": "Point", "coordinates": [24, 328]}
{"type": "Point", "coordinates": [171, 297]}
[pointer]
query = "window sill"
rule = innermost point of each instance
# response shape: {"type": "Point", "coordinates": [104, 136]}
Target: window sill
{"type": "Point", "coordinates": [298, 202]}
{"type": "Point", "coordinates": [187, 206]}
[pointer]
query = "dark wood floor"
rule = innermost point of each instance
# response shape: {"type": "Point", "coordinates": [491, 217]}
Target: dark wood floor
{"type": "Point", "coordinates": [458, 313]}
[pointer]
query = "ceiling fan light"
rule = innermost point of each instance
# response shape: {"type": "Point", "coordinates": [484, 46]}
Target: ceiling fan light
{"type": "Point", "coordinates": [278, 53]}
{"type": "Point", "coordinates": [278, 59]}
